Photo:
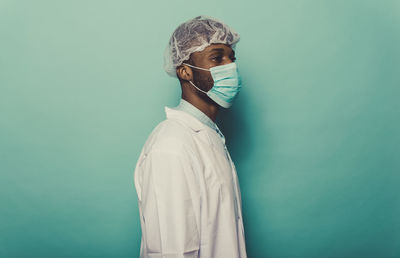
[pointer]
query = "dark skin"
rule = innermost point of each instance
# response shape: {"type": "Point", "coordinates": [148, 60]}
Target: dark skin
{"type": "Point", "coordinates": [213, 55]}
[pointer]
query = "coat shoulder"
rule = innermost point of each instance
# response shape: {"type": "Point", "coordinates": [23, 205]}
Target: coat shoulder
{"type": "Point", "coordinates": [170, 136]}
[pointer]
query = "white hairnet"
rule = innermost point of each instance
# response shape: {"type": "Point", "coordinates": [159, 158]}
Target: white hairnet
{"type": "Point", "coordinates": [195, 35]}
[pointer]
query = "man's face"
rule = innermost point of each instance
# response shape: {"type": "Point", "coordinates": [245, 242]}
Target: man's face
{"type": "Point", "coordinates": [213, 55]}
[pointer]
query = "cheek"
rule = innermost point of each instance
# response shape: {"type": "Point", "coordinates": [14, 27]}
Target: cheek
{"type": "Point", "coordinates": [205, 80]}
{"type": "Point", "coordinates": [209, 82]}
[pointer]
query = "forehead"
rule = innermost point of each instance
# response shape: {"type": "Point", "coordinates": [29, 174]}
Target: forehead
{"type": "Point", "coordinates": [212, 49]}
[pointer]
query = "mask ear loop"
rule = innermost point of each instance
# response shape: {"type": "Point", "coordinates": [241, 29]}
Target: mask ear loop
{"type": "Point", "coordinates": [200, 69]}
{"type": "Point", "coordinates": [197, 88]}
{"type": "Point", "coordinates": [197, 67]}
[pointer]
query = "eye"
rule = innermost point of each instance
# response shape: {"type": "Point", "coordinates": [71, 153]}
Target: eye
{"type": "Point", "coordinates": [217, 58]}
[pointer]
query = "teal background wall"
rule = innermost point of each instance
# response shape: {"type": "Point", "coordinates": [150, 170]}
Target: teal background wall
{"type": "Point", "coordinates": [314, 133]}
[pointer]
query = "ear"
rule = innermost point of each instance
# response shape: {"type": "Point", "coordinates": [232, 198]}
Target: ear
{"type": "Point", "coordinates": [184, 72]}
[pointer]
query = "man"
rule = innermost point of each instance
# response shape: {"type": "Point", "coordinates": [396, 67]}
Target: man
{"type": "Point", "coordinates": [187, 187]}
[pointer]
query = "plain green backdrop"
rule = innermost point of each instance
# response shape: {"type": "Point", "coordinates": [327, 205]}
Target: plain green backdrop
{"type": "Point", "coordinates": [315, 132]}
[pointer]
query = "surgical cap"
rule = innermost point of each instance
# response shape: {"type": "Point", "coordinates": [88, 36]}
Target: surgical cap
{"type": "Point", "coordinates": [195, 35]}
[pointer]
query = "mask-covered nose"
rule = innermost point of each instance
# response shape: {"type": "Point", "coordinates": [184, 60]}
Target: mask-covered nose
{"type": "Point", "coordinates": [227, 83]}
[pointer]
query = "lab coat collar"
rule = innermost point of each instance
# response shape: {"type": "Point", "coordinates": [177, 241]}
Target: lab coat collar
{"type": "Point", "coordinates": [186, 118]}
{"type": "Point", "coordinates": [197, 113]}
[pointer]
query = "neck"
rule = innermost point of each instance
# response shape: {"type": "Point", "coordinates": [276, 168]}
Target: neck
{"type": "Point", "coordinates": [209, 109]}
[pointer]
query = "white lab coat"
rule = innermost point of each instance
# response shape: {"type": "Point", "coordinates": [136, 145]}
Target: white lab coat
{"type": "Point", "coordinates": [188, 192]}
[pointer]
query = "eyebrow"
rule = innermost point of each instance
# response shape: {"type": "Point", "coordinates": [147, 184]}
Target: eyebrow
{"type": "Point", "coordinates": [220, 50]}
{"type": "Point", "coordinates": [217, 50]}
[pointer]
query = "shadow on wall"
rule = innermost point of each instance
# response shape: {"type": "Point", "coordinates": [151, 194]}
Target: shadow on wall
{"type": "Point", "coordinates": [243, 124]}
{"type": "Point", "coordinates": [235, 123]}
{"type": "Point", "coordinates": [244, 128]}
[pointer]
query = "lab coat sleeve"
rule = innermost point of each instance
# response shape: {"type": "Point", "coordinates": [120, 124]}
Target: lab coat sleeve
{"type": "Point", "coordinates": [168, 210]}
